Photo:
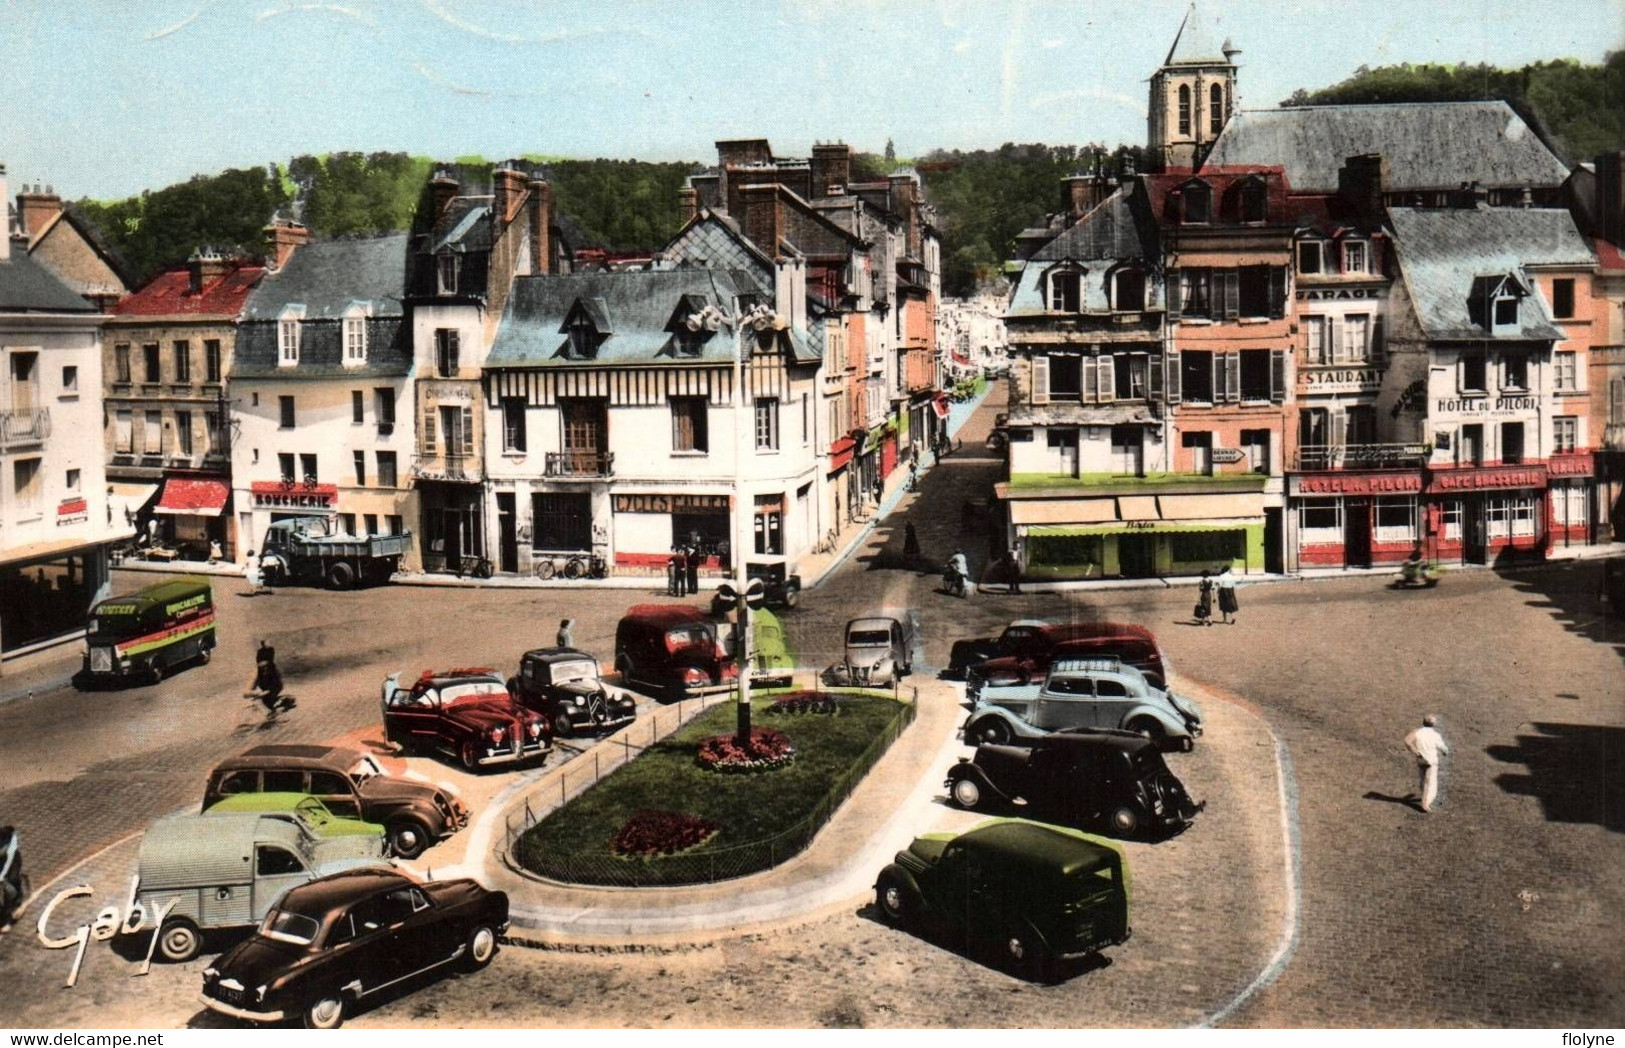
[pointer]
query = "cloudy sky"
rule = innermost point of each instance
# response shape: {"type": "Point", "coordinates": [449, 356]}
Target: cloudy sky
{"type": "Point", "coordinates": [106, 97]}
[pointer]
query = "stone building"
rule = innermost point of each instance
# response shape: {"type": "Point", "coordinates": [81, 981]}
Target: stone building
{"type": "Point", "coordinates": [1193, 94]}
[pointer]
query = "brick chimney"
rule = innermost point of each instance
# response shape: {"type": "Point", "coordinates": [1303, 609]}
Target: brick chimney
{"type": "Point", "coordinates": [831, 169]}
{"type": "Point", "coordinates": [205, 267]}
{"type": "Point", "coordinates": [905, 194]}
{"type": "Point", "coordinates": [1081, 194]}
{"type": "Point", "coordinates": [1361, 182]}
{"type": "Point", "coordinates": [508, 191]}
{"type": "Point", "coordinates": [688, 204]}
{"type": "Point", "coordinates": [740, 151]}
{"type": "Point", "coordinates": [443, 190]}
{"type": "Point", "coordinates": [36, 208]}
{"type": "Point", "coordinates": [763, 219]}
{"type": "Point", "coordinates": [1610, 196]}
{"type": "Point", "coordinates": [541, 228]}
{"type": "Point", "coordinates": [284, 235]}
{"type": "Point", "coordinates": [5, 218]}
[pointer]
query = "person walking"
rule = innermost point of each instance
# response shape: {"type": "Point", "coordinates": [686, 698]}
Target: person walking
{"type": "Point", "coordinates": [961, 569]}
{"type": "Point", "coordinates": [694, 559]}
{"type": "Point", "coordinates": [911, 545]}
{"type": "Point", "coordinates": [1012, 567]}
{"type": "Point", "coordinates": [1204, 601]}
{"type": "Point", "coordinates": [1427, 746]}
{"type": "Point", "coordinates": [566, 635]}
{"type": "Point", "coordinates": [267, 683]}
{"type": "Point", "coordinates": [1227, 596]}
{"type": "Point", "coordinates": [11, 876]}
{"type": "Point", "coordinates": [672, 573]}
{"type": "Point", "coordinates": [254, 574]}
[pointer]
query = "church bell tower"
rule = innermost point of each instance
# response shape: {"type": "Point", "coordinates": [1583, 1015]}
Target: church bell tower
{"type": "Point", "coordinates": [1192, 96]}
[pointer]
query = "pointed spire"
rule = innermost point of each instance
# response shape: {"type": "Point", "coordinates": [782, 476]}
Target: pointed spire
{"type": "Point", "coordinates": [1193, 44]}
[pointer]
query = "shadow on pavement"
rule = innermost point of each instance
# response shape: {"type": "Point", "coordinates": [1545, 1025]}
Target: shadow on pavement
{"type": "Point", "coordinates": [1571, 591]}
{"type": "Point", "coordinates": [1574, 770]}
{"type": "Point", "coordinates": [1057, 972]}
{"type": "Point", "coordinates": [1410, 800]}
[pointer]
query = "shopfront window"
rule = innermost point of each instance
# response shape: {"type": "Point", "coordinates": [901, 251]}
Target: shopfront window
{"type": "Point", "coordinates": [1569, 507]}
{"type": "Point", "coordinates": [1201, 547]}
{"type": "Point", "coordinates": [1320, 522]}
{"type": "Point", "coordinates": [561, 521]}
{"type": "Point", "coordinates": [769, 525]}
{"type": "Point", "coordinates": [42, 600]}
{"type": "Point", "coordinates": [1396, 520]}
{"type": "Point", "coordinates": [1511, 517]}
{"type": "Point", "coordinates": [1450, 514]}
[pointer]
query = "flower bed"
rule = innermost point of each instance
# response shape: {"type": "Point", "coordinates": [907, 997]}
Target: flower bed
{"type": "Point", "coordinates": [804, 703]}
{"type": "Point", "coordinates": [649, 833]}
{"type": "Point", "coordinates": [765, 750]}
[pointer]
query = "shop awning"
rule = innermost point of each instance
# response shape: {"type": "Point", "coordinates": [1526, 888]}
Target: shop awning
{"type": "Point", "coordinates": [1062, 511]}
{"type": "Point", "coordinates": [940, 406]}
{"type": "Point", "coordinates": [1161, 527]}
{"type": "Point", "coordinates": [1199, 507]}
{"type": "Point", "coordinates": [193, 497]}
{"type": "Point", "coordinates": [127, 498]}
{"type": "Point", "coordinates": [1137, 507]}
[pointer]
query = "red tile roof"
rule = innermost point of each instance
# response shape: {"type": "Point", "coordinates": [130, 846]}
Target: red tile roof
{"type": "Point", "coordinates": [170, 294]}
{"type": "Point", "coordinates": [1222, 180]}
{"type": "Point", "coordinates": [1609, 256]}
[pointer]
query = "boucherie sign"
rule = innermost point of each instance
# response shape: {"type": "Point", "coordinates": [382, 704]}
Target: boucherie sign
{"type": "Point", "coordinates": [271, 494]}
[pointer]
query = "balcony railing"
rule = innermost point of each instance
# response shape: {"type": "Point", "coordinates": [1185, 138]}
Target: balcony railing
{"type": "Point", "coordinates": [1321, 457]}
{"type": "Point", "coordinates": [26, 426]}
{"type": "Point", "coordinates": [440, 466]}
{"type": "Point", "coordinates": [580, 464]}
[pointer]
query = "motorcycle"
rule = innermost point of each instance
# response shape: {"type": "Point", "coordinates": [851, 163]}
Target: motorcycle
{"type": "Point", "coordinates": [953, 582]}
{"type": "Point", "coordinates": [1414, 576]}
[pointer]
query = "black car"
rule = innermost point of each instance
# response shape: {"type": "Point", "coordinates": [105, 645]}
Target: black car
{"type": "Point", "coordinates": [563, 684]}
{"type": "Point", "coordinates": [1019, 638]}
{"type": "Point", "coordinates": [328, 945]}
{"type": "Point", "coordinates": [1112, 780]}
{"type": "Point", "coordinates": [780, 588]}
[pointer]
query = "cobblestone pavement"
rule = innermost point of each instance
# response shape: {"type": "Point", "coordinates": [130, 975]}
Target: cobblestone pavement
{"type": "Point", "coordinates": [1498, 909]}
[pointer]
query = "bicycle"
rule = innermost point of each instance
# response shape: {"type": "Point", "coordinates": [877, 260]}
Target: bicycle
{"type": "Point", "coordinates": [475, 565]}
{"type": "Point", "coordinates": [826, 546]}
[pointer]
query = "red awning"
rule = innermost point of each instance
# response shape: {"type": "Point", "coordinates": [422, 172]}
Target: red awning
{"type": "Point", "coordinates": [193, 497]}
{"type": "Point", "coordinates": [840, 453]}
{"type": "Point", "coordinates": [960, 358]}
{"type": "Point", "coordinates": [940, 406]}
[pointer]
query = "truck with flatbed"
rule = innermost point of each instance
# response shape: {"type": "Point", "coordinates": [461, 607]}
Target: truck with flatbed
{"type": "Point", "coordinates": [311, 549]}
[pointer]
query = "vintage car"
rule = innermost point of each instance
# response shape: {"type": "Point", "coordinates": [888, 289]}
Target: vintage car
{"type": "Point", "coordinates": [1019, 638]}
{"type": "Point", "coordinates": [147, 633]}
{"type": "Point", "coordinates": [1032, 894]}
{"type": "Point", "coordinates": [331, 944]}
{"type": "Point", "coordinates": [1134, 645]}
{"type": "Point", "coordinates": [672, 650]}
{"type": "Point", "coordinates": [879, 651]}
{"type": "Point", "coordinates": [301, 807]}
{"type": "Point", "coordinates": [463, 713]}
{"type": "Point", "coordinates": [1114, 780]}
{"type": "Point", "coordinates": [351, 784]}
{"type": "Point", "coordinates": [1084, 695]}
{"type": "Point", "coordinates": [781, 588]}
{"type": "Point", "coordinates": [562, 684]}
{"type": "Point", "coordinates": [225, 871]}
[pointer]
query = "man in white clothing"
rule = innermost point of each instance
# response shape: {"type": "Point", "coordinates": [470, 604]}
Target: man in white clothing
{"type": "Point", "coordinates": [1428, 746]}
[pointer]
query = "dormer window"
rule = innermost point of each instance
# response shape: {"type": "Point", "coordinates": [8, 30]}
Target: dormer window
{"type": "Point", "coordinates": [355, 336]}
{"type": "Point", "coordinates": [1128, 290]}
{"type": "Point", "coordinates": [1356, 257]}
{"type": "Point", "coordinates": [585, 327]}
{"type": "Point", "coordinates": [1310, 254]}
{"type": "Point", "coordinates": [583, 338]}
{"type": "Point", "coordinates": [1255, 196]}
{"type": "Point", "coordinates": [288, 336]}
{"type": "Point", "coordinates": [446, 269]}
{"type": "Point", "coordinates": [1495, 302]}
{"type": "Point", "coordinates": [1198, 202]}
{"type": "Point", "coordinates": [1506, 311]}
{"type": "Point", "coordinates": [1066, 290]}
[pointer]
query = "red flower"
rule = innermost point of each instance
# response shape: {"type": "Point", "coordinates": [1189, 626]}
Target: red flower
{"type": "Point", "coordinates": [661, 833]}
{"type": "Point", "coordinates": [765, 749]}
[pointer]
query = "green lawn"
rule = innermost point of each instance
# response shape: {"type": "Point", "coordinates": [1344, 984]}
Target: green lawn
{"type": "Point", "coordinates": [763, 817]}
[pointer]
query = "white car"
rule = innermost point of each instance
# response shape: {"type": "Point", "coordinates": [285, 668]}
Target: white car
{"type": "Point", "coordinates": [1084, 695]}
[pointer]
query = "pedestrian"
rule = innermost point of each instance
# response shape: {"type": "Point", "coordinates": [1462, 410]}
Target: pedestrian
{"type": "Point", "coordinates": [1012, 567]}
{"type": "Point", "coordinates": [254, 575]}
{"type": "Point", "coordinates": [1428, 746]}
{"type": "Point", "coordinates": [961, 569]}
{"type": "Point", "coordinates": [911, 544]}
{"type": "Point", "coordinates": [679, 559]}
{"type": "Point", "coordinates": [267, 683]}
{"type": "Point", "coordinates": [1227, 596]}
{"type": "Point", "coordinates": [1204, 601]}
{"type": "Point", "coordinates": [11, 876]}
{"type": "Point", "coordinates": [694, 559]}
{"type": "Point", "coordinates": [672, 573]}
{"type": "Point", "coordinates": [216, 554]}
{"type": "Point", "coordinates": [566, 636]}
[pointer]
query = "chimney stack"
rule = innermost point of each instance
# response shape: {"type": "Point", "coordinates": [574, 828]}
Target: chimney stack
{"type": "Point", "coordinates": [1362, 181]}
{"type": "Point", "coordinates": [284, 235]}
{"type": "Point", "coordinates": [5, 218]}
{"type": "Point", "coordinates": [1081, 194]}
{"type": "Point", "coordinates": [1610, 196]}
{"type": "Point", "coordinates": [541, 228]}
{"type": "Point", "coordinates": [688, 204]}
{"type": "Point", "coordinates": [508, 191]}
{"type": "Point", "coordinates": [831, 166]}
{"type": "Point", "coordinates": [37, 208]}
{"type": "Point", "coordinates": [764, 217]}
{"type": "Point", "coordinates": [205, 267]}
{"type": "Point", "coordinates": [442, 191]}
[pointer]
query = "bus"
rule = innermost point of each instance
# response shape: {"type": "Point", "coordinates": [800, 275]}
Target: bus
{"type": "Point", "coordinates": [145, 633]}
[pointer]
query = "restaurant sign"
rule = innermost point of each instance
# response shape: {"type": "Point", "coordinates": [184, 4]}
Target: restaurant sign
{"type": "Point", "coordinates": [673, 503]}
{"type": "Point", "coordinates": [1357, 484]}
{"type": "Point", "coordinates": [1493, 478]}
{"type": "Point", "coordinates": [1339, 380]}
{"type": "Point", "coordinates": [1578, 464]}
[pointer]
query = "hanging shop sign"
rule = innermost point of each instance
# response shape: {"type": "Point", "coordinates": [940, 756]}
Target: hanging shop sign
{"type": "Point", "coordinates": [673, 503]}
{"type": "Point", "coordinates": [72, 511]}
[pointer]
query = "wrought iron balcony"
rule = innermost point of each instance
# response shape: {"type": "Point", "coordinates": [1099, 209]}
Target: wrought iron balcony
{"type": "Point", "coordinates": [1312, 458]}
{"type": "Point", "coordinates": [440, 466]}
{"type": "Point", "coordinates": [19, 428]}
{"type": "Point", "coordinates": [580, 464]}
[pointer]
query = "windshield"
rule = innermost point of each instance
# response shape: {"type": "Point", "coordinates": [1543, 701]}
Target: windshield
{"type": "Point", "coordinates": [868, 638]}
{"type": "Point", "coordinates": [696, 636]}
{"type": "Point", "coordinates": [364, 769]}
{"type": "Point", "coordinates": [313, 812]}
{"type": "Point", "coordinates": [287, 926]}
{"type": "Point", "coordinates": [575, 669]}
{"type": "Point", "coordinates": [112, 627]}
{"type": "Point", "coordinates": [454, 694]}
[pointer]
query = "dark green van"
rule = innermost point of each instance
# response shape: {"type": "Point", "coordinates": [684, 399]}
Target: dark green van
{"type": "Point", "coordinates": [145, 633]}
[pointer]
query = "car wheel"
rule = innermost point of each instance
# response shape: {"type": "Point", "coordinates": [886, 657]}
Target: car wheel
{"type": "Point", "coordinates": [155, 672]}
{"type": "Point", "coordinates": [179, 941]}
{"type": "Point", "coordinates": [1124, 820]}
{"type": "Point", "coordinates": [891, 899]}
{"type": "Point", "coordinates": [967, 793]}
{"type": "Point", "coordinates": [990, 730]}
{"type": "Point", "coordinates": [792, 596]}
{"type": "Point", "coordinates": [341, 576]}
{"type": "Point", "coordinates": [204, 655]}
{"type": "Point", "coordinates": [408, 838]}
{"type": "Point", "coordinates": [562, 728]}
{"type": "Point", "coordinates": [1148, 728]}
{"type": "Point", "coordinates": [1022, 955]}
{"type": "Point", "coordinates": [469, 755]}
{"type": "Point", "coordinates": [482, 946]}
{"type": "Point", "coordinates": [325, 1013]}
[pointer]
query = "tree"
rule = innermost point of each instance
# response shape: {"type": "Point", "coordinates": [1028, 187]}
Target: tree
{"type": "Point", "coordinates": [891, 152]}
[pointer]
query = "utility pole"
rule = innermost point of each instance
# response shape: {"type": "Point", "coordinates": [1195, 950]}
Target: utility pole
{"type": "Point", "coordinates": [744, 430]}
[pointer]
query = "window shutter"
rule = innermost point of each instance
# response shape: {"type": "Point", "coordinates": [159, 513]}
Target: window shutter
{"type": "Point", "coordinates": [1232, 377]}
{"type": "Point", "coordinates": [1090, 381]}
{"type": "Point", "coordinates": [1173, 378]}
{"type": "Point", "coordinates": [1277, 291]}
{"type": "Point", "coordinates": [1174, 281]}
{"type": "Point", "coordinates": [1040, 380]}
{"type": "Point", "coordinates": [428, 431]}
{"type": "Point", "coordinates": [1154, 370]}
{"type": "Point", "coordinates": [1379, 348]}
{"type": "Point", "coordinates": [1461, 372]}
{"type": "Point", "coordinates": [1108, 378]}
{"type": "Point", "coordinates": [1340, 434]}
{"type": "Point", "coordinates": [1277, 375]}
{"type": "Point", "coordinates": [468, 431]}
{"type": "Point", "coordinates": [1616, 401]}
{"type": "Point", "coordinates": [1230, 282]}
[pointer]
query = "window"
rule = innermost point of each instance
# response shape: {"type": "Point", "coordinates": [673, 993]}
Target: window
{"type": "Point", "coordinates": [386, 472]}
{"type": "Point", "coordinates": [1569, 504]}
{"type": "Point", "coordinates": [1198, 202]}
{"type": "Point", "coordinates": [1318, 338]}
{"type": "Point", "coordinates": [183, 360]}
{"type": "Point", "coordinates": [358, 407]}
{"type": "Point", "coordinates": [457, 426]}
{"type": "Point", "coordinates": [1514, 371]}
{"type": "Point", "coordinates": [1506, 311]}
{"type": "Point", "coordinates": [1254, 289]}
{"type": "Point", "coordinates": [307, 468]}
{"type": "Point", "coordinates": [1215, 109]}
{"type": "Point", "coordinates": [1256, 444]}
{"type": "Point", "coordinates": [285, 411]}
{"type": "Point", "coordinates": [1200, 446]}
{"type": "Point", "coordinates": [767, 424]}
{"type": "Point", "coordinates": [446, 268]}
{"type": "Point", "coordinates": [1128, 443]}
{"type": "Point", "coordinates": [1356, 347]}
{"type": "Point", "coordinates": [1565, 373]}
{"type": "Point", "coordinates": [360, 458]}
{"type": "Point", "coordinates": [1470, 373]}
{"type": "Point", "coordinates": [152, 433]}
{"type": "Point", "coordinates": [1128, 290]}
{"type": "Point", "coordinates": [583, 337]}
{"type": "Point", "coordinates": [211, 360]}
{"type": "Point", "coordinates": [769, 525]}
{"type": "Point", "coordinates": [1309, 256]}
{"type": "Point", "coordinates": [1450, 519]}
{"type": "Point", "coordinates": [1354, 257]}
{"type": "Point", "coordinates": [1510, 517]}
{"type": "Point", "coordinates": [1065, 291]}
{"type": "Point", "coordinates": [211, 432]}
{"type": "Point", "coordinates": [1359, 425]}
{"type": "Point", "coordinates": [1184, 110]}
{"type": "Point", "coordinates": [149, 363]}
{"type": "Point", "coordinates": [275, 862]}
{"type": "Point", "coordinates": [688, 425]}
{"type": "Point", "coordinates": [1195, 291]}
{"type": "Point", "coordinates": [347, 523]}
{"type": "Point", "coordinates": [1130, 374]}
{"type": "Point", "coordinates": [1471, 452]}
{"type": "Point", "coordinates": [1320, 522]}
{"type": "Point", "coordinates": [25, 478]}
{"type": "Point", "coordinates": [1196, 376]}
{"type": "Point", "coordinates": [1565, 434]}
{"type": "Point", "coordinates": [1396, 519]}
{"type": "Point", "coordinates": [383, 407]}
{"type": "Point", "coordinates": [183, 432]}
{"type": "Point", "coordinates": [1563, 298]}
{"type": "Point", "coordinates": [121, 362]}
{"type": "Point", "coordinates": [1065, 375]}
{"type": "Point", "coordinates": [355, 340]}
{"type": "Point", "coordinates": [71, 481]}
{"type": "Point", "coordinates": [561, 521]}
{"type": "Point", "coordinates": [122, 440]}
{"type": "Point", "coordinates": [1512, 442]}
{"type": "Point", "coordinates": [287, 342]}
{"type": "Point", "coordinates": [1255, 374]}
{"type": "Point", "coordinates": [396, 525]}
{"type": "Point", "coordinates": [284, 463]}
{"type": "Point", "coordinates": [370, 522]}
{"type": "Point", "coordinates": [446, 352]}
{"type": "Point", "coordinates": [513, 424]}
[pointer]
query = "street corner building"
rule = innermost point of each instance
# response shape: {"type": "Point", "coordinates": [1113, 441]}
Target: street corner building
{"type": "Point", "coordinates": [56, 520]}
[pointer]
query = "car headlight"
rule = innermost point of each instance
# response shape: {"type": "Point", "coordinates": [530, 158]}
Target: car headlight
{"type": "Point", "coordinates": [211, 973]}
{"type": "Point", "coordinates": [259, 994]}
{"type": "Point", "coordinates": [580, 701]}
{"type": "Point", "coordinates": [535, 729]}
{"type": "Point", "coordinates": [497, 735]}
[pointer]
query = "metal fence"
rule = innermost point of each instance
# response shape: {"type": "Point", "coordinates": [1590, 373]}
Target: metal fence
{"type": "Point", "coordinates": [699, 867]}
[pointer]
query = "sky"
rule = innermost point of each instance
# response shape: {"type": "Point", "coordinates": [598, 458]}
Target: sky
{"type": "Point", "coordinates": [105, 98]}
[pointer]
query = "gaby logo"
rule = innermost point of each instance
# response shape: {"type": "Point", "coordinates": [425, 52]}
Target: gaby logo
{"type": "Point", "coordinates": [109, 921]}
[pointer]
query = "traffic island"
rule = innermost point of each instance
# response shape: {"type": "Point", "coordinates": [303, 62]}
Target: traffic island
{"type": "Point", "coordinates": [697, 818]}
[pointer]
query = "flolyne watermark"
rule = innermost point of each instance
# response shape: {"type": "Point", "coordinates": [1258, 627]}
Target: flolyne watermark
{"type": "Point", "coordinates": [109, 921]}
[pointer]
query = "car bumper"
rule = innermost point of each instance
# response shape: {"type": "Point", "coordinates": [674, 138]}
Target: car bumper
{"type": "Point", "coordinates": [535, 752]}
{"type": "Point", "coordinates": [585, 721]}
{"type": "Point", "coordinates": [708, 689]}
{"type": "Point", "coordinates": [245, 1014]}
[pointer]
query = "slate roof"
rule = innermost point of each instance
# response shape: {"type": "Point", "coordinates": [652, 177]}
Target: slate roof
{"type": "Point", "coordinates": [1194, 44]}
{"type": "Point", "coordinates": [465, 226]}
{"type": "Point", "coordinates": [170, 294]}
{"type": "Point", "coordinates": [27, 287]}
{"type": "Point", "coordinates": [1428, 145]}
{"type": "Point", "coordinates": [1443, 253]}
{"type": "Point", "coordinates": [326, 276]}
{"type": "Point", "coordinates": [1119, 228]}
{"type": "Point", "coordinates": [636, 305]}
